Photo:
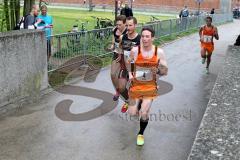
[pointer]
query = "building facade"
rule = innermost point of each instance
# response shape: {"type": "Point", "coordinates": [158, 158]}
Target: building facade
{"type": "Point", "coordinates": [221, 5]}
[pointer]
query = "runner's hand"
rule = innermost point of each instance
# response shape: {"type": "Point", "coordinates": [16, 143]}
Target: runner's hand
{"type": "Point", "coordinates": [111, 48]}
{"type": "Point", "coordinates": [130, 76]}
{"type": "Point", "coordinates": [154, 70]}
{"type": "Point", "coordinates": [163, 70]}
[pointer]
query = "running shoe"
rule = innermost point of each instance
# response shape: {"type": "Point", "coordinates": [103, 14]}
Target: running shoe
{"type": "Point", "coordinates": [124, 108]}
{"type": "Point", "coordinates": [203, 60]}
{"type": "Point", "coordinates": [140, 140]}
{"type": "Point", "coordinates": [207, 70]}
{"type": "Point", "coordinates": [116, 96]}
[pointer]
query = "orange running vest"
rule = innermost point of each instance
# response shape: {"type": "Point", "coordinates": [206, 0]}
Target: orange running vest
{"type": "Point", "coordinates": [144, 84]}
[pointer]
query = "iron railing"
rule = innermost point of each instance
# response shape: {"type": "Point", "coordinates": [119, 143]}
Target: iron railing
{"type": "Point", "coordinates": [94, 42]}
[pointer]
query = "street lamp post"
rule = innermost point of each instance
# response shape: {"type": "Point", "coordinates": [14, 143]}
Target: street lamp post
{"type": "Point", "coordinates": [90, 5]}
{"type": "Point", "coordinates": [131, 3]}
{"type": "Point", "coordinates": [199, 5]}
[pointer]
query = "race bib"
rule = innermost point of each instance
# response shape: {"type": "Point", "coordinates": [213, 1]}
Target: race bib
{"type": "Point", "coordinates": [207, 39]}
{"type": "Point", "coordinates": [144, 74]}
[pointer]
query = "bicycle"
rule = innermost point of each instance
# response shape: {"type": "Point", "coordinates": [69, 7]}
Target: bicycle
{"type": "Point", "coordinates": [154, 19]}
{"type": "Point", "coordinates": [74, 38]}
{"type": "Point", "coordinates": [83, 24]}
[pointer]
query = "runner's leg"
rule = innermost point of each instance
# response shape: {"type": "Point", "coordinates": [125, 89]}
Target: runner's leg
{"type": "Point", "coordinates": [133, 110]}
{"type": "Point", "coordinates": [115, 68]}
{"type": "Point", "coordinates": [144, 114]}
{"type": "Point", "coordinates": [203, 55]}
{"type": "Point", "coordinates": [209, 59]}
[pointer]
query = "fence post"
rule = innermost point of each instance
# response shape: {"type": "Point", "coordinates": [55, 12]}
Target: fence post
{"type": "Point", "coordinates": [85, 46]}
{"type": "Point", "coordinates": [158, 28]}
{"type": "Point", "coordinates": [179, 25]}
{"type": "Point", "coordinates": [171, 25]}
{"type": "Point", "coordinates": [161, 30]}
{"type": "Point", "coordinates": [199, 21]}
{"type": "Point", "coordinates": [58, 43]}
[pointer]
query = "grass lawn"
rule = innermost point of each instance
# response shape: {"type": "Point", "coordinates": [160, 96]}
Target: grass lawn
{"type": "Point", "coordinates": [64, 19]}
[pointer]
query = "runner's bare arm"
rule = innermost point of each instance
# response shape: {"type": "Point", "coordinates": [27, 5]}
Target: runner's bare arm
{"type": "Point", "coordinates": [132, 57]}
{"type": "Point", "coordinates": [200, 33]}
{"type": "Point", "coordinates": [113, 40]}
{"type": "Point", "coordinates": [216, 33]}
{"type": "Point", "coordinates": [120, 50]}
{"type": "Point", "coordinates": [120, 44]}
{"type": "Point", "coordinates": [162, 68]}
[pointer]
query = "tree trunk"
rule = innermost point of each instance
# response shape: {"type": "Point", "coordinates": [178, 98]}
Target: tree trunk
{"type": "Point", "coordinates": [27, 7]}
{"type": "Point", "coordinates": [2, 18]}
{"type": "Point", "coordinates": [6, 12]}
{"type": "Point", "coordinates": [32, 2]}
{"type": "Point", "coordinates": [12, 14]}
{"type": "Point", "coordinates": [90, 5]}
{"type": "Point", "coordinates": [17, 11]}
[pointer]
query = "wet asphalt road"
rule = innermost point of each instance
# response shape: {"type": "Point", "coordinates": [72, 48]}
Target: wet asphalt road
{"type": "Point", "coordinates": [37, 132]}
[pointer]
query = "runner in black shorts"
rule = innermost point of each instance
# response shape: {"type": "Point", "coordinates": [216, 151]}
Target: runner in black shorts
{"type": "Point", "coordinates": [119, 30]}
{"type": "Point", "coordinates": [128, 41]}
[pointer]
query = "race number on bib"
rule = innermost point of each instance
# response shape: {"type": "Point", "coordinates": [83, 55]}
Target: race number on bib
{"type": "Point", "coordinates": [144, 74]}
{"type": "Point", "coordinates": [207, 39]}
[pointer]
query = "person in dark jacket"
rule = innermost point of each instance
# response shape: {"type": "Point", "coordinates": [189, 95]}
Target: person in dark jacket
{"type": "Point", "coordinates": [183, 15]}
{"type": "Point", "coordinates": [126, 11]}
{"type": "Point", "coordinates": [212, 11]}
{"type": "Point", "coordinates": [31, 21]}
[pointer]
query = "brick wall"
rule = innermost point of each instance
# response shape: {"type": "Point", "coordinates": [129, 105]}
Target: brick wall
{"type": "Point", "coordinates": [207, 4]}
{"type": "Point", "coordinates": [235, 3]}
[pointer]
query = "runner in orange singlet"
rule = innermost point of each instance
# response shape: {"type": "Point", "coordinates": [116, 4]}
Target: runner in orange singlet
{"type": "Point", "coordinates": [147, 62]}
{"type": "Point", "coordinates": [207, 33]}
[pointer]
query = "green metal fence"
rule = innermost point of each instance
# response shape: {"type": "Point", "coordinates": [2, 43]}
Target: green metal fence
{"type": "Point", "coordinates": [70, 45]}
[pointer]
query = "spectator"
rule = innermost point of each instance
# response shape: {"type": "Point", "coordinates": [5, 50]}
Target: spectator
{"type": "Point", "coordinates": [119, 5]}
{"type": "Point", "coordinates": [46, 24]}
{"type": "Point", "coordinates": [236, 12]}
{"type": "Point", "coordinates": [75, 28]}
{"type": "Point", "coordinates": [31, 21]}
{"type": "Point", "coordinates": [126, 11]}
{"type": "Point", "coordinates": [184, 18]}
{"type": "Point", "coordinates": [184, 12]}
{"type": "Point", "coordinates": [212, 11]}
